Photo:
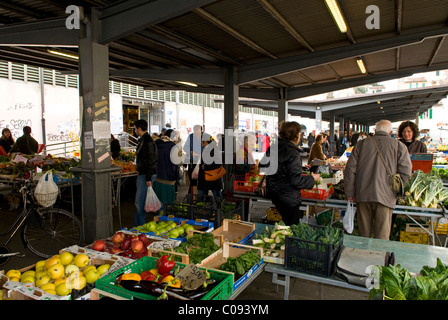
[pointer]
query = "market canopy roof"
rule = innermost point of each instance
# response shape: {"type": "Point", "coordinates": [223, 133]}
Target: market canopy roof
{"type": "Point", "coordinates": [364, 109]}
{"type": "Point", "coordinates": [272, 44]}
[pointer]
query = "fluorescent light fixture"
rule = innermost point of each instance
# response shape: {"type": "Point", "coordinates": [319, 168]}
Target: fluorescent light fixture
{"type": "Point", "coordinates": [337, 15]}
{"type": "Point", "coordinates": [187, 83]}
{"type": "Point", "coordinates": [361, 65]}
{"type": "Point", "coordinates": [63, 54]}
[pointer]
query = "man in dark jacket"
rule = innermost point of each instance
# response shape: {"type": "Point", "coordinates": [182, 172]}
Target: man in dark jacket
{"type": "Point", "coordinates": [147, 157]}
{"type": "Point", "coordinates": [25, 144]}
{"type": "Point", "coordinates": [284, 186]}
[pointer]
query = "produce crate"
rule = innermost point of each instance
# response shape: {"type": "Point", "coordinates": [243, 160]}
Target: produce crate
{"type": "Point", "coordinates": [415, 228]}
{"type": "Point", "coordinates": [222, 291]}
{"type": "Point", "coordinates": [228, 250]}
{"type": "Point", "coordinates": [442, 228]}
{"type": "Point", "coordinates": [319, 194]}
{"type": "Point", "coordinates": [414, 237]}
{"type": "Point", "coordinates": [236, 231]}
{"type": "Point", "coordinates": [337, 177]}
{"type": "Point", "coordinates": [245, 186]}
{"type": "Point", "coordinates": [311, 256]}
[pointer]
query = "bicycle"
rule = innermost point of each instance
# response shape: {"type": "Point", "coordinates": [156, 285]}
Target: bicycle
{"type": "Point", "coordinates": [44, 230]}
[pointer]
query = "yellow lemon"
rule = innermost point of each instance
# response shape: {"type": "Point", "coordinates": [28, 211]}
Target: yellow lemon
{"type": "Point", "coordinates": [29, 273]}
{"type": "Point", "coordinates": [56, 271]}
{"type": "Point", "coordinates": [62, 289]}
{"type": "Point", "coordinates": [48, 286]}
{"type": "Point", "coordinates": [42, 280]}
{"type": "Point", "coordinates": [40, 264]}
{"type": "Point", "coordinates": [52, 261]}
{"type": "Point", "coordinates": [27, 279]}
{"type": "Point", "coordinates": [66, 258]}
{"type": "Point", "coordinates": [81, 260]}
{"type": "Point", "coordinates": [13, 273]}
{"type": "Point", "coordinates": [71, 268]}
{"type": "Point", "coordinates": [103, 268]}
{"type": "Point", "coordinates": [60, 280]}
{"type": "Point", "coordinates": [92, 275]}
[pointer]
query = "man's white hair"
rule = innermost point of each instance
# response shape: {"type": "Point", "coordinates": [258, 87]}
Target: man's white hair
{"type": "Point", "coordinates": [384, 125]}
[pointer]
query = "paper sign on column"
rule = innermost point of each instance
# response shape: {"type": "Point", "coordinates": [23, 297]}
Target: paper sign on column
{"type": "Point", "coordinates": [101, 130]}
{"type": "Point", "coordinates": [88, 140]}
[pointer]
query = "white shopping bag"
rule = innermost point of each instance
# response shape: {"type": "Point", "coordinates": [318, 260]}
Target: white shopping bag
{"type": "Point", "coordinates": [349, 217]}
{"type": "Point", "coordinates": [152, 203]}
{"type": "Point", "coordinates": [195, 173]}
{"type": "Point", "coordinates": [46, 191]}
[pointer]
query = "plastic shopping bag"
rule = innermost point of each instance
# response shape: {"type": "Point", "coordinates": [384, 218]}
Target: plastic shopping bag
{"type": "Point", "coordinates": [195, 173]}
{"type": "Point", "coordinates": [46, 191]}
{"type": "Point", "coordinates": [152, 203]}
{"type": "Point", "coordinates": [349, 217]}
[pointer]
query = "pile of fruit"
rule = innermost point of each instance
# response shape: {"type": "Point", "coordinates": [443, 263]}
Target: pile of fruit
{"type": "Point", "coordinates": [162, 282]}
{"type": "Point", "coordinates": [61, 274]}
{"type": "Point", "coordinates": [442, 147]}
{"type": "Point", "coordinates": [165, 227]}
{"type": "Point", "coordinates": [127, 245]}
{"type": "Point", "coordinates": [126, 166]}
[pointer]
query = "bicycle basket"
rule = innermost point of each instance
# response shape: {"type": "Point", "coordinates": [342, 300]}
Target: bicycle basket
{"type": "Point", "coordinates": [47, 199]}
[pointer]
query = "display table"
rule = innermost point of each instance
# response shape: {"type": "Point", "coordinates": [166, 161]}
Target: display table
{"type": "Point", "coordinates": [409, 255]}
{"type": "Point", "coordinates": [411, 212]}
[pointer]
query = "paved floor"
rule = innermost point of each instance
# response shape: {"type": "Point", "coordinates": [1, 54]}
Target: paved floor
{"type": "Point", "coordinates": [261, 288]}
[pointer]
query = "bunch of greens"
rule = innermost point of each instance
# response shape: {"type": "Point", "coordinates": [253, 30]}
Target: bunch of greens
{"type": "Point", "coordinates": [273, 238]}
{"type": "Point", "coordinates": [198, 247]}
{"type": "Point", "coordinates": [441, 172]}
{"type": "Point", "coordinates": [398, 284]}
{"type": "Point", "coordinates": [321, 235]}
{"type": "Point", "coordinates": [424, 190]}
{"type": "Point", "coordinates": [242, 264]}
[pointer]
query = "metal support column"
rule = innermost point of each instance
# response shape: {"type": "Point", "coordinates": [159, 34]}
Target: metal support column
{"type": "Point", "coordinates": [282, 105]}
{"type": "Point", "coordinates": [331, 135]}
{"type": "Point", "coordinates": [95, 151]}
{"type": "Point", "coordinates": [318, 120]}
{"type": "Point", "coordinates": [231, 104]}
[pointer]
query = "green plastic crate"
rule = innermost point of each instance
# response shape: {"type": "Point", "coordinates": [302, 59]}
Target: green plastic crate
{"type": "Point", "coordinates": [222, 291]}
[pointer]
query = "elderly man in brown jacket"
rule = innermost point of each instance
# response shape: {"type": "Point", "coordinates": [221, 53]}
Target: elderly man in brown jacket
{"type": "Point", "coordinates": [366, 180]}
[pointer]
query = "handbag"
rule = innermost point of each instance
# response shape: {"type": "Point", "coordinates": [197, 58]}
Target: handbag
{"type": "Point", "coordinates": [395, 181]}
{"type": "Point", "coordinates": [214, 174]}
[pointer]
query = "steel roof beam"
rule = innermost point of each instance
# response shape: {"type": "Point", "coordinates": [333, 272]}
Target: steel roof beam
{"type": "Point", "coordinates": [281, 66]}
{"type": "Point", "coordinates": [127, 17]}
{"type": "Point", "coordinates": [50, 33]}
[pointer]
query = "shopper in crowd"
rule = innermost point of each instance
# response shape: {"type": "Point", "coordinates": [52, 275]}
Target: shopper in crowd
{"type": "Point", "coordinates": [167, 170]}
{"type": "Point", "coordinates": [6, 140]}
{"type": "Point", "coordinates": [244, 159]}
{"type": "Point", "coordinates": [366, 180]}
{"type": "Point", "coordinates": [266, 142]}
{"type": "Point", "coordinates": [285, 184]}
{"type": "Point", "coordinates": [342, 143]}
{"type": "Point", "coordinates": [25, 144]}
{"type": "Point", "coordinates": [114, 147]}
{"type": "Point", "coordinates": [147, 158]}
{"type": "Point", "coordinates": [193, 149]}
{"type": "Point", "coordinates": [354, 139]}
{"type": "Point", "coordinates": [316, 151]}
{"type": "Point", "coordinates": [325, 145]}
{"type": "Point", "coordinates": [407, 134]}
{"type": "Point", "coordinates": [204, 186]}
{"type": "Point", "coordinates": [311, 138]}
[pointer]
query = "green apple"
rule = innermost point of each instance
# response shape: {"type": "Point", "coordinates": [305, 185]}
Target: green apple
{"type": "Point", "coordinates": [180, 230]}
{"type": "Point", "coordinates": [174, 233]}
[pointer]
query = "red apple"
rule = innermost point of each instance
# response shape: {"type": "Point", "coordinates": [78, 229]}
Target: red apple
{"type": "Point", "coordinates": [142, 237]}
{"type": "Point", "coordinates": [136, 245]}
{"type": "Point", "coordinates": [99, 245]}
{"type": "Point", "coordinates": [118, 237]}
{"type": "Point", "coordinates": [126, 244]}
{"type": "Point", "coordinates": [115, 250]}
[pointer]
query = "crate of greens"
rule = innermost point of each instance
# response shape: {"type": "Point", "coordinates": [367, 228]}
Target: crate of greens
{"type": "Point", "coordinates": [313, 249]}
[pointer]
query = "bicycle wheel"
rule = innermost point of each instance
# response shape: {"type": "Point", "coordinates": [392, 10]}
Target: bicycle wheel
{"type": "Point", "coordinates": [48, 230]}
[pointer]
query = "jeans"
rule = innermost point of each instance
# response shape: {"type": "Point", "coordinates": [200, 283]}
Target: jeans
{"type": "Point", "coordinates": [204, 193]}
{"type": "Point", "coordinates": [140, 199]}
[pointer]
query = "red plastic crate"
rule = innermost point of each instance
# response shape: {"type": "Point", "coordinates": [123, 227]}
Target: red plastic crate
{"type": "Point", "coordinates": [245, 186]}
{"type": "Point", "coordinates": [319, 194]}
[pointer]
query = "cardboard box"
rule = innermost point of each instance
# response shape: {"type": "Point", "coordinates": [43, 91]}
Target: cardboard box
{"type": "Point", "coordinates": [30, 292]}
{"type": "Point", "coordinates": [338, 176]}
{"type": "Point", "coordinates": [230, 249]}
{"type": "Point", "coordinates": [236, 231]}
